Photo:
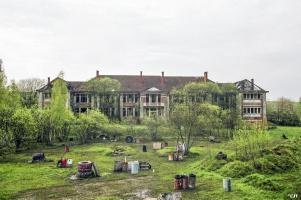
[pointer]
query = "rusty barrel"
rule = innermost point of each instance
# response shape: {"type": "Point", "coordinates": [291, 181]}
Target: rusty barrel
{"type": "Point", "coordinates": [118, 166]}
{"type": "Point", "coordinates": [124, 166]}
{"type": "Point", "coordinates": [185, 182]}
{"type": "Point", "coordinates": [191, 180]}
{"type": "Point", "coordinates": [177, 182]}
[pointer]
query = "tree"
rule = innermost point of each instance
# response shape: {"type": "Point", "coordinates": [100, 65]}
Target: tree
{"type": "Point", "coordinates": [28, 89]}
{"type": "Point", "coordinates": [153, 123]}
{"type": "Point", "coordinates": [104, 92]}
{"type": "Point", "coordinates": [184, 119]}
{"type": "Point", "coordinates": [89, 125]}
{"type": "Point", "coordinates": [103, 85]}
{"type": "Point", "coordinates": [23, 127]}
{"type": "Point", "coordinates": [61, 117]}
{"type": "Point", "coordinates": [283, 112]}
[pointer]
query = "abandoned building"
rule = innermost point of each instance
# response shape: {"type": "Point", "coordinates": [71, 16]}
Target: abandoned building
{"type": "Point", "coordinates": [141, 96]}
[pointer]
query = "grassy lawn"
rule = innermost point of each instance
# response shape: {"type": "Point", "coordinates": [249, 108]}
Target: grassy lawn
{"type": "Point", "coordinates": [21, 180]}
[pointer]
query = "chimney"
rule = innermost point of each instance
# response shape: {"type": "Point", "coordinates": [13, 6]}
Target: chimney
{"type": "Point", "coordinates": [97, 73]}
{"type": "Point", "coordinates": [162, 78]}
{"type": "Point", "coordinates": [48, 80]}
{"type": "Point", "coordinates": [141, 77]}
{"type": "Point", "coordinates": [205, 76]}
{"type": "Point", "coordinates": [252, 81]}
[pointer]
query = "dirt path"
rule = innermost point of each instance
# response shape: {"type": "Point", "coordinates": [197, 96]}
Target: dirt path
{"type": "Point", "coordinates": [133, 188]}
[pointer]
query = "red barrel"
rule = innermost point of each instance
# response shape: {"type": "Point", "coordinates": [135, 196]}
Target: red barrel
{"type": "Point", "coordinates": [64, 163]}
{"type": "Point", "coordinates": [177, 182]}
{"type": "Point", "coordinates": [185, 182]}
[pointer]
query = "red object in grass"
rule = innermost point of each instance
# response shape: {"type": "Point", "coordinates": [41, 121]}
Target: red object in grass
{"type": "Point", "coordinates": [66, 149]}
{"type": "Point", "coordinates": [64, 163]}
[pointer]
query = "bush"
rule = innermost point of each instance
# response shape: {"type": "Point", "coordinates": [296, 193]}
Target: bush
{"type": "Point", "coordinates": [236, 169]}
{"type": "Point", "coordinates": [265, 166]}
{"type": "Point", "coordinates": [262, 182]}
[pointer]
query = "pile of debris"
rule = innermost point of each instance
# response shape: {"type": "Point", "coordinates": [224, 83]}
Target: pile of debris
{"type": "Point", "coordinates": [39, 157]}
{"type": "Point", "coordinates": [87, 169]}
{"type": "Point", "coordinates": [118, 150]}
{"type": "Point", "coordinates": [132, 166]}
{"type": "Point", "coordinates": [221, 156]}
{"type": "Point", "coordinates": [213, 139]}
{"type": "Point", "coordinates": [159, 145]}
{"type": "Point", "coordinates": [176, 156]}
{"type": "Point", "coordinates": [64, 163]}
{"type": "Point", "coordinates": [184, 182]}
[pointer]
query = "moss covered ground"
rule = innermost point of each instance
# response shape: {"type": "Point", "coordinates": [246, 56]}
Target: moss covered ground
{"type": "Point", "coordinates": [21, 180]}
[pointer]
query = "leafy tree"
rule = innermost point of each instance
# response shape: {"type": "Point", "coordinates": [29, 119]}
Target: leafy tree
{"type": "Point", "coordinates": [249, 142]}
{"type": "Point", "coordinates": [90, 124]}
{"type": "Point", "coordinates": [28, 92]}
{"type": "Point", "coordinates": [103, 85]}
{"type": "Point", "coordinates": [153, 125]}
{"type": "Point", "coordinates": [190, 119]}
{"type": "Point", "coordinates": [23, 127]}
{"type": "Point", "coordinates": [283, 112]}
{"type": "Point", "coordinates": [61, 117]}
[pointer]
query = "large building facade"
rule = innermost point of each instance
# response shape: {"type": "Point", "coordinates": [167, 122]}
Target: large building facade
{"type": "Point", "coordinates": [141, 96]}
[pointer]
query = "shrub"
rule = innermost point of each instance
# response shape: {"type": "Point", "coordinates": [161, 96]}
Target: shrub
{"type": "Point", "coordinates": [236, 169]}
{"type": "Point", "coordinates": [265, 166]}
{"type": "Point", "coordinates": [283, 162]}
{"type": "Point", "coordinates": [262, 182]}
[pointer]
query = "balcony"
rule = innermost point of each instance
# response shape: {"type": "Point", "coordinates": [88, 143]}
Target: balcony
{"type": "Point", "coordinates": [155, 104]}
{"type": "Point", "coordinates": [252, 101]}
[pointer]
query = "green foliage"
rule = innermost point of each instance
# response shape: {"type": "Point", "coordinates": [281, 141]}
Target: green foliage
{"type": "Point", "coordinates": [236, 169]}
{"type": "Point", "coordinates": [249, 142]}
{"type": "Point", "coordinates": [214, 165]}
{"type": "Point", "coordinates": [89, 125]}
{"type": "Point", "coordinates": [153, 124]}
{"type": "Point", "coordinates": [262, 182]}
{"type": "Point", "coordinates": [283, 112]}
{"type": "Point", "coordinates": [28, 92]}
{"type": "Point", "coordinates": [23, 127]}
{"type": "Point", "coordinates": [103, 85]}
{"type": "Point", "coordinates": [61, 118]}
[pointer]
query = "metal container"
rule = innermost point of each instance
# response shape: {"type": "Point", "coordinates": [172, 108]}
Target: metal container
{"type": "Point", "coordinates": [185, 182]}
{"type": "Point", "coordinates": [170, 157]}
{"type": "Point", "coordinates": [227, 184]}
{"type": "Point", "coordinates": [177, 182]}
{"type": "Point", "coordinates": [191, 180]}
{"type": "Point", "coordinates": [118, 166]}
{"type": "Point", "coordinates": [135, 167]}
{"type": "Point", "coordinates": [124, 166]}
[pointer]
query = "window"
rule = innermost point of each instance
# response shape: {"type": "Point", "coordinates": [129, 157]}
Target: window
{"type": "Point", "coordinates": [130, 98]}
{"type": "Point", "coordinates": [130, 111]}
{"type": "Point", "coordinates": [147, 98]}
{"type": "Point", "coordinates": [77, 98]}
{"type": "Point", "coordinates": [153, 98]}
{"type": "Point", "coordinates": [136, 112]}
{"type": "Point", "coordinates": [136, 98]}
{"type": "Point", "coordinates": [259, 110]}
{"type": "Point", "coordinates": [159, 98]}
{"type": "Point", "coordinates": [83, 98]}
{"type": "Point", "coordinates": [124, 98]}
{"type": "Point", "coordinates": [124, 112]}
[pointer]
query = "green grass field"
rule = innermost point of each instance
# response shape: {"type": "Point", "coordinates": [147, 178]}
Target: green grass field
{"type": "Point", "coordinates": [21, 180]}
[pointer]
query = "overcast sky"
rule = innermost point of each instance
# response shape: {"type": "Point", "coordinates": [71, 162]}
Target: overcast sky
{"type": "Point", "coordinates": [231, 39]}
